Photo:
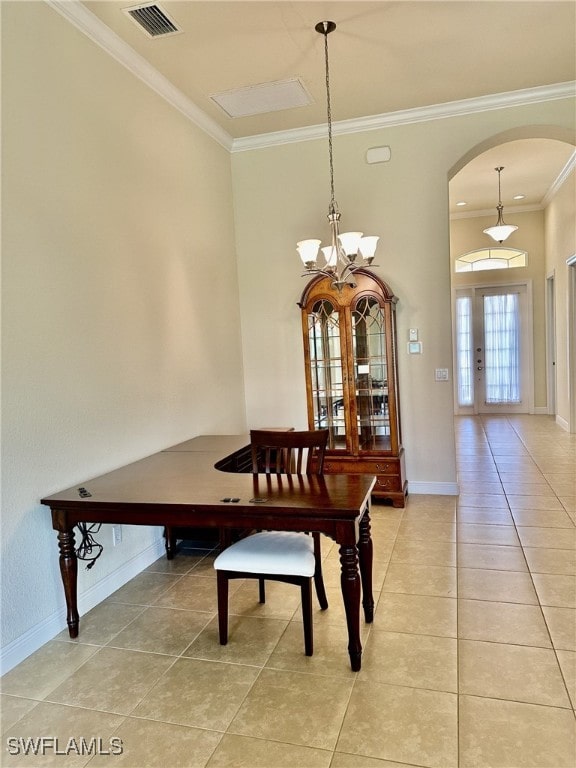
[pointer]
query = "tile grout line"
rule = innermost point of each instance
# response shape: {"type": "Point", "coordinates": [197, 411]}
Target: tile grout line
{"type": "Point", "coordinates": [553, 647]}
{"type": "Point", "coordinates": [355, 679]}
{"type": "Point", "coordinates": [459, 695]}
{"type": "Point", "coordinates": [555, 650]}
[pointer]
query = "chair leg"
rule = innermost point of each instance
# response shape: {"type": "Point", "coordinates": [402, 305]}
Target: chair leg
{"type": "Point", "coordinates": [222, 587]}
{"type": "Point", "coordinates": [318, 578]}
{"type": "Point", "coordinates": [261, 590]}
{"type": "Point", "coordinates": [306, 592]}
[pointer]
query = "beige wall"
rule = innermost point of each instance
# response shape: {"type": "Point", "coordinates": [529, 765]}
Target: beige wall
{"type": "Point", "coordinates": [467, 235]}
{"type": "Point", "coordinates": [120, 296]}
{"type": "Point", "coordinates": [281, 196]}
{"type": "Point", "coordinates": [561, 245]}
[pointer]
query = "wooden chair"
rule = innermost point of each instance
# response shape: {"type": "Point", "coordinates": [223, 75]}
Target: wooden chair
{"type": "Point", "coordinates": [293, 558]}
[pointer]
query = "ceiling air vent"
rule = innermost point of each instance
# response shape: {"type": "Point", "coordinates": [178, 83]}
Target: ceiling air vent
{"type": "Point", "coordinates": [152, 19]}
{"type": "Point", "coordinates": [262, 98]}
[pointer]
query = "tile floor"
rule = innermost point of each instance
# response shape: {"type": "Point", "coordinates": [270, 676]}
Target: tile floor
{"type": "Point", "coordinates": [470, 662]}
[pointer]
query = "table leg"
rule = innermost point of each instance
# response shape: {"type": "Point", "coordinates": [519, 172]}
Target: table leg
{"type": "Point", "coordinates": [169, 542]}
{"type": "Point", "coordinates": [365, 554]}
{"type": "Point", "coordinates": [350, 581]}
{"type": "Point", "coordinates": [69, 572]}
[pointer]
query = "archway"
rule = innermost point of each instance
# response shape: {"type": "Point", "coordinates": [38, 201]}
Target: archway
{"type": "Point", "coordinates": [552, 132]}
{"type": "Point", "coordinates": [527, 153]}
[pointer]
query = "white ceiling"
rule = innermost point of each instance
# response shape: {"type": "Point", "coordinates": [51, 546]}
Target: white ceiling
{"type": "Point", "coordinates": [384, 57]}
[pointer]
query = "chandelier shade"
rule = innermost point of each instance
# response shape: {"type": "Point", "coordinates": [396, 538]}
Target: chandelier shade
{"type": "Point", "coordinates": [347, 251]}
{"type": "Point", "coordinates": [308, 251]}
{"type": "Point", "coordinates": [500, 231]}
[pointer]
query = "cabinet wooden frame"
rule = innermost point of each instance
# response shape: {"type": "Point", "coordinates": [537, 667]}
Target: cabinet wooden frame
{"type": "Point", "coordinates": [355, 445]}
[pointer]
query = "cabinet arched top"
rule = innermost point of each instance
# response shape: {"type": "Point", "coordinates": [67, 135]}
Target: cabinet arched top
{"type": "Point", "coordinates": [367, 283]}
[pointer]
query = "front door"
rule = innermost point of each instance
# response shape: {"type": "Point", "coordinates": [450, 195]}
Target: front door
{"type": "Point", "coordinates": [493, 350]}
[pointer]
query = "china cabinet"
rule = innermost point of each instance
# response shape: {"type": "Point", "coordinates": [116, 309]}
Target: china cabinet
{"type": "Point", "coordinates": [352, 380]}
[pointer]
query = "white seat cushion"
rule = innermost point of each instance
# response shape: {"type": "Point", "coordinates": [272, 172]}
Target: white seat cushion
{"type": "Point", "coordinates": [273, 552]}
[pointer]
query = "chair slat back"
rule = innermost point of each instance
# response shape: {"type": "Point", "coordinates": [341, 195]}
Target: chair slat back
{"type": "Point", "coordinates": [288, 453]}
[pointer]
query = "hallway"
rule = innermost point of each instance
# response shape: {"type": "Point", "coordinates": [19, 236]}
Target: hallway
{"type": "Point", "coordinates": [470, 662]}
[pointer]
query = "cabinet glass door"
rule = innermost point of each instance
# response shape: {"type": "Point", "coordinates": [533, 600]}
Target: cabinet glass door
{"type": "Point", "coordinates": [370, 371]}
{"type": "Point", "coordinates": [326, 376]}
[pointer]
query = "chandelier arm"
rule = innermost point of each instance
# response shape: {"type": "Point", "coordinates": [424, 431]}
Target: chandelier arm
{"type": "Point", "coordinates": [318, 271]}
{"type": "Point", "coordinates": [349, 269]}
{"type": "Point", "coordinates": [346, 278]}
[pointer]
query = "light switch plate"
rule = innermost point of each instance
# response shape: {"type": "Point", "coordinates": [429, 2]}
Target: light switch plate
{"type": "Point", "coordinates": [413, 334]}
{"type": "Point", "coordinates": [414, 347]}
{"type": "Point", "coordinates": [441, 374]}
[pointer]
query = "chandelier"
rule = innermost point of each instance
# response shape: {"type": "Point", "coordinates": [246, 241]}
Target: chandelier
{"type": "Point", "coordinates": [500, 231]}
{"type": "Point", "coordinates": [348, 251]}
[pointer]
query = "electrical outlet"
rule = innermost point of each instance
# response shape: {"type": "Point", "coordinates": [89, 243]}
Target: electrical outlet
{"type": "Point", "coordinates": [116, 534]}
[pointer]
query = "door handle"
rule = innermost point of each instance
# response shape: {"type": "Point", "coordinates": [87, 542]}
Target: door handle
{"type": "Point", "coordinates": [480, 368]}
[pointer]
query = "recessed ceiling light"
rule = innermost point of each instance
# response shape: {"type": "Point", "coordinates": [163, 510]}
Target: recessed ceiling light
{"type": "Point", "coordinates": [461, 202]}
{"type": "Point", "coordinates": [519, 197]}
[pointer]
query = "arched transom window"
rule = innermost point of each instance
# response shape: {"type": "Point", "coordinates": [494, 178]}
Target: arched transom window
{"type": "Point", "coordinates": [490, 258]}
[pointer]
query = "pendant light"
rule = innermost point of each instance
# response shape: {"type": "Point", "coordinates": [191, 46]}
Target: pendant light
{"type": "Point", "coordinates": [347, 251]}
{"type": "Point", "coordinates": [500, 231]}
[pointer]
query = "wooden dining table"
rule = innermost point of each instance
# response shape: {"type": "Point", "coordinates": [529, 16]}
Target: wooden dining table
{"type": "Point", "coordinates": [204, 482]}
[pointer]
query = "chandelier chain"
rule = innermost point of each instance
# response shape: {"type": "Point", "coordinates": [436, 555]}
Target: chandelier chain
{"type": "Point", "coordinates": [329, 115]}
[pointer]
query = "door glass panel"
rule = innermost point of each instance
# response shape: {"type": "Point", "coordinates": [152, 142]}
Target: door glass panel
{"type": "Point", "coordinates": [370, 375]}
{"type": "Point", "coordinates": [502, 348]}
{"type": "Point", "coordinates": [464, 350]}
{"type": "Point", "coordinates": [326, 372]}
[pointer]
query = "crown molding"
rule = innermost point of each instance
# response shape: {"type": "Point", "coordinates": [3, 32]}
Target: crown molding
{"type": "Point", "coordinates": [510, 209]}
{"type": "Point", "coordinates": [509, 99]}
{"type": "Point", "coordinates": [90, 25]}
{"type": "Point", "coordinates": [559, 181]}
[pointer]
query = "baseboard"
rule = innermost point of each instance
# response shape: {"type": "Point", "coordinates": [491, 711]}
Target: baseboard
{"type": "Point", "coordinates": [562, 423]}
{"type": "Point", "coordinates": [435, 489]}
{"type": "Point", "coordinates": [45, 630]}
{"type": "Point", "coordinates": [541, 410]}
